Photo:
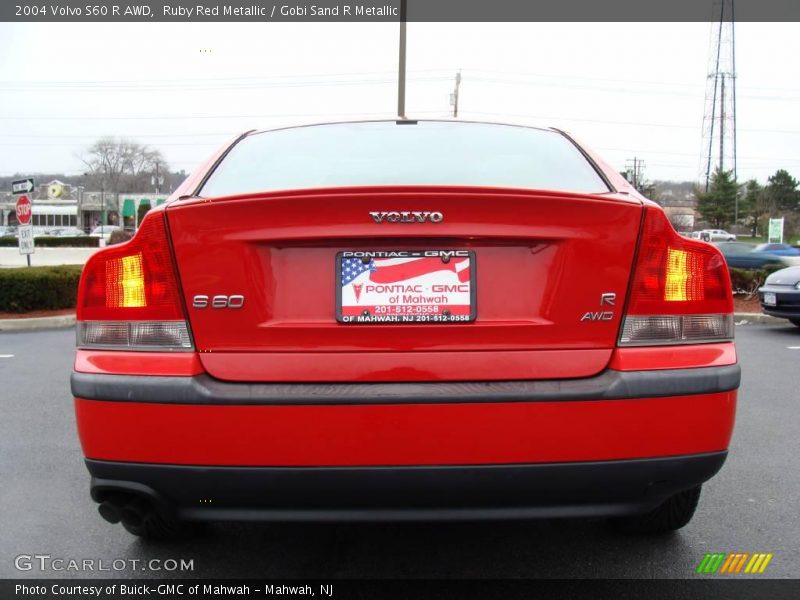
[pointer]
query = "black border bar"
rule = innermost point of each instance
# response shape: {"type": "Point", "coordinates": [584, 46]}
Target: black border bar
{"type": "Point", "coordinates": [375, 11]}
{"type": "Point", "coordinates": [694, 586]}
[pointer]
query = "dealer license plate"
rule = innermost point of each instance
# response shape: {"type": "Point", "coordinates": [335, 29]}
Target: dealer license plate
{"type": "Point", "coordinates": [405, 286]}
{"type": "Point", "coordinates": [769, 299]}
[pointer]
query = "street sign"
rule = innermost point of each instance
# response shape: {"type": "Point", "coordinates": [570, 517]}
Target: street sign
{"type": "Point", "coordinates": [775, 234]}
{"type": "Point", "coordinates": [26, 240]}
{"type": "Point", "coordinates": [23, 186]}
{"type": "Point", "coordinates": [24, 210]}
{"type": "Point", "coordinates": [25, 231]}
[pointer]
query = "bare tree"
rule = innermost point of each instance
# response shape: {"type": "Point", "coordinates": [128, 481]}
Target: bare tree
{"type": "Point", "coordinates": [681, 221]}
{"type": "Point", "coordinates": [117, 162]}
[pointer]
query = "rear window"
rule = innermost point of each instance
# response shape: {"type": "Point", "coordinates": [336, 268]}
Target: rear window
{"type": "Point", "coordinates": [385, 153]}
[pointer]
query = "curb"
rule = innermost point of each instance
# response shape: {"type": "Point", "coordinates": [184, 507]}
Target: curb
{"type": "Point", "coordinates": [63, 321]}
{"type": "Point", "coordinates": [749, 318]}
{"type": "Point", "coordinates": [36, 323]}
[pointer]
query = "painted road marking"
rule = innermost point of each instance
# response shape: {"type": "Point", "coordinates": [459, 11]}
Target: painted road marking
{"type": "Point", "coordinates": [793, 347]}
{"type": "Point", "coordinates": [6, 356]}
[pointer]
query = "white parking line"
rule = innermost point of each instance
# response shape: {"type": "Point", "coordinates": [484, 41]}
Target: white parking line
{"type": "Point", "coordinates": [6, 356]}
{"type": "Point", "coordinates": [793, 347]}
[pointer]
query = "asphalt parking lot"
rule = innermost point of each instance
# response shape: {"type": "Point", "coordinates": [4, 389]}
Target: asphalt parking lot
{"type": "Point", "coordinates": [751, 506]}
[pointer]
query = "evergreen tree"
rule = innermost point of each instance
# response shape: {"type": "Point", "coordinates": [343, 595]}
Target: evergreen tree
{"type": "Point", "coordinates": [718, 204]}
{"type": "Point", "coordinates": [751, 204]}
{"type": "Point", "coordinates": [782, 192]}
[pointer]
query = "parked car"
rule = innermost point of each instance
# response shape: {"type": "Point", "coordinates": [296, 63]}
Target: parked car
{"type": "Point", "coordinates": [716, 235]}
{"type": "Point", "coordinates": [69, 232]}
{"type": "Point", "coordinates": [780, 295]}
{"type": "Point", "coordinates": [104, 231]}
{"type": "Point", "coordinates": [743, 255]}
{"type": "Point", "coordinates": [7, 230]}
{"type": "Point", "coordinates": [778, 249]}
{"type": "Point", "coordinates": [415, 319]}
{"type": "Point", "coordinates": [43, 231]}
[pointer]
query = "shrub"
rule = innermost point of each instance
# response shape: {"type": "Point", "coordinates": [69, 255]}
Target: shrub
{"type": "Point", "coordinates": [53, 242]}
{"type": "Point", "coordinates": [39, 288]}
{"type": "Point", "coordinates": [747, 281]}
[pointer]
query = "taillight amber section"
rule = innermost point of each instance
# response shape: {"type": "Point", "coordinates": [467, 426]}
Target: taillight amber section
{"type": "Point", "coordinates": [134, 281]}
{"type": "Point", "coordinates": [125, 282]}
{"type": "Point", "coordinates": [684, 276]}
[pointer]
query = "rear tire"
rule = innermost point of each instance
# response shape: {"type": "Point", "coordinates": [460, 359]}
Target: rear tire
{"type": "Point", "coordinates": [675, 512]}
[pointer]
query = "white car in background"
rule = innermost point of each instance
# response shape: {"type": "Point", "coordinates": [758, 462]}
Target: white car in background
{"type": "Point", "coordinates": [104, 231]}
{"type": "Point", "coordinates": [716, 235]}
{"type": "Point", "coordinates": [68, 232]}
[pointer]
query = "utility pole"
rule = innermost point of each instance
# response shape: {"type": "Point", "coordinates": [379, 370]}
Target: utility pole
{"type": "Point", "coordinates": [79, 204]}
{"type": "Point", "coordinates": [722, 125]}
{"type": "Point", "coordinates": [635, 168]}
{"type": "Point", "coordinates": [401, 70]}
{"type": "Point", "coordinates": [157, 178]}
{"type": "Point", "coordinates": [454, 95]}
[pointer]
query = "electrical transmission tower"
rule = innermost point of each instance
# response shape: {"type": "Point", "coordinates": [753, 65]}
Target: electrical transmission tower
{"type": "Point", "coordinates": [719, 120]}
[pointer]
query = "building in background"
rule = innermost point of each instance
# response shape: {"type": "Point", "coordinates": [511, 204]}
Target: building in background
{"type": "Point", "coordinates": [57, 205]}
{"type": "Point", "coordinates": [135, 206]}
{"type": "Point", "coordinates": [680, 203]}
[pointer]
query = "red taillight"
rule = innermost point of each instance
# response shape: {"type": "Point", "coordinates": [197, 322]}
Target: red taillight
{"type": "Point", "coordinates": [681, 290]}
{"type": "Point", "coordinates": [129, 296]}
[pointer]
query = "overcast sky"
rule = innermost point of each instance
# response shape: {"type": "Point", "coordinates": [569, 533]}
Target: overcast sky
{"type": "Point", "coordinates": [626, 90]}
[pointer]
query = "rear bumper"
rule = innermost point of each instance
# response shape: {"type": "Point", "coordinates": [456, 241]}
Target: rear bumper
{"type": "Point", "coordinates": [615, 444]}
{"type": "Point", "coordinates": [200, 421]}
{"type": "Point", "coordinates": [584, 489]}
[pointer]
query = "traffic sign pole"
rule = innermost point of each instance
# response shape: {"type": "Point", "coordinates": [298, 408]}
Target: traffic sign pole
{"type": "Point", "coordinates": [24, 210]}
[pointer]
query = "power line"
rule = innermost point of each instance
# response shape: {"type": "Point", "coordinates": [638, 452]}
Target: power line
{"type": "Point", "coordinates": [555, 119]}
{"type": "Point", "coordinates": [207, 79]}
{"type": "Point", "coordinates": [635, 82]}
{"type": "Point", "coordinates": [184, 116]}
{"type": "Point", "coordinates": [623, 90]}
{"type": "Point", "coordinates": [211, 84]}
{"type": "Point", "coordinates": [499, 76]}
{"type": "Point", "coordinates": [117, 135]}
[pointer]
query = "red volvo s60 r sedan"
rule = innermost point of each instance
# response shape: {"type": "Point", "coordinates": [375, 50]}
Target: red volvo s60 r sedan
{"type": "Point", "coordinates": [404, 320]}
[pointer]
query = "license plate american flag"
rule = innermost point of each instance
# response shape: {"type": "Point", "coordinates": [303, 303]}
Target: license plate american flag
{"type": "Point", "coordinates": [404, 286]}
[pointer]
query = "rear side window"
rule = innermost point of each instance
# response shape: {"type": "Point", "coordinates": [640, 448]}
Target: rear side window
{"type": "Point", "coordinates": [385, 153]}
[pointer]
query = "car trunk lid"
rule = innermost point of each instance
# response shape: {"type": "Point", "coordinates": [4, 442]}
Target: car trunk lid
{"type": "Point", "coordinates": [550, 273]}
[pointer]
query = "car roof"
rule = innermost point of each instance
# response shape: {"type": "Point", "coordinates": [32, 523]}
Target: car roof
{"type": "Point", "coordinates": [406, 121]}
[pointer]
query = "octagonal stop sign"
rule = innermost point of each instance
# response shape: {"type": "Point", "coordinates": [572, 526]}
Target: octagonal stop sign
{"type": "Point", "coordinates": [24, 210]}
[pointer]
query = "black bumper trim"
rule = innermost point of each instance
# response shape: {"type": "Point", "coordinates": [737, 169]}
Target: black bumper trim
{"type": "Point", "coordinates": [603, 488]}
{"type": "Point", "coordinates": [203, 389]}
{"type": "Point", "coordinates": [792, 312]}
